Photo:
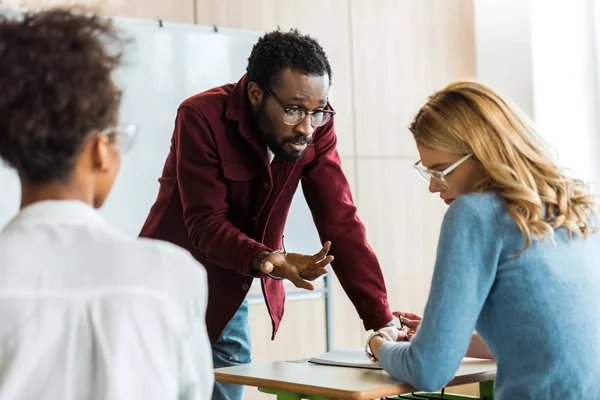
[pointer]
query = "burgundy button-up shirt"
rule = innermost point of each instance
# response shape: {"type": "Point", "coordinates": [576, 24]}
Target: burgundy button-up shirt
{"type": "Point", "coordinates": [221, 199]}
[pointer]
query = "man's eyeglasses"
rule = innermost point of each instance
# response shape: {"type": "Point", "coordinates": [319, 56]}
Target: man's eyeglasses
{"type": "Point", "coordinates": [439, 177]}
{"type": "Point", "coordinates": [125, 135]}
{"type": "Point", "coordinates": [293, 115]}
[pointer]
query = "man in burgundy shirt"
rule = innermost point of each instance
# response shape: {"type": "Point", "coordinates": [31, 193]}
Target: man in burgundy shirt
{"type": "Point", "coordinates": [237, 155]}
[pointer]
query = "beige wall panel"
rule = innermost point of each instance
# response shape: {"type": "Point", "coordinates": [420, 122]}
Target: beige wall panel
{"type": "Point", "coordinates": [347, 326]}
{"type": "Point", "coordinates": [301, 334]}
{"type": "Point", "coordinates": [404, 50]}
{"type": "Point", "coordinates": [326, 20]}
{"type": "Point", "coordinates": [348, 329]}
{"type": "Point", "coordinates": [403, 221]}
{"type": "Point", "coordinates": [172, 10]}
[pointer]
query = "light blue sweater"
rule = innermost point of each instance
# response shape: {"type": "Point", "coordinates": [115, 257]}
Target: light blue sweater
{"type": "Point", "coordinates": [539, 313]}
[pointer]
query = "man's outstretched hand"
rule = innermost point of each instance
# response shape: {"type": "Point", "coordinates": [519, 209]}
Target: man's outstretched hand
{"type": "Point", "coordinates": [299, 269]}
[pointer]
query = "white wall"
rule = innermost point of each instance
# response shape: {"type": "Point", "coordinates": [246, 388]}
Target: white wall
{"type": "Point", "coordinates": [503, 48]}
{"type": "Point", "coordinates": [565, 84]}
{"type": "Point", "coordinates": [543, 55]}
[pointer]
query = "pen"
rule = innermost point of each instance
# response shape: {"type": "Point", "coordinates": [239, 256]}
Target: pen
{"type": "Point", "coordinates": [402, 326]}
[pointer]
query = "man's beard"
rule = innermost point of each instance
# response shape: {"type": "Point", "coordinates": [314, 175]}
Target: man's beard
{"type": "Point", "coordinates": [268, 134]}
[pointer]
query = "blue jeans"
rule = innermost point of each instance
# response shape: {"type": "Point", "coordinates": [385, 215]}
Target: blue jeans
{"type": "Point", "coordinates": [233, 348]}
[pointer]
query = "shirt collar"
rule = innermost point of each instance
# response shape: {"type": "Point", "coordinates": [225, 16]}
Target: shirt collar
{"type": "Point", "coordinates": [71, 212]}
{"type": "Point", "coordinates": [238, 101]}
{"type": "Point", "coordinates": [239, 109]}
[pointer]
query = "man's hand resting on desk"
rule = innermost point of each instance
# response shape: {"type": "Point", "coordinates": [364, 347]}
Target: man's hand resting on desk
{"type": "Point", "coordinates": [297, 268]}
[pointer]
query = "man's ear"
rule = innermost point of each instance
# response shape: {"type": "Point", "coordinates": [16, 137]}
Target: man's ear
{"type": "Point", "coordinates": [255, 94]}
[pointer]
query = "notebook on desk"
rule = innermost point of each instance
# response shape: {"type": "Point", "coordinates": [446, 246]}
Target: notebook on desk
{"type": "Point", "coordinates": [345, 358]}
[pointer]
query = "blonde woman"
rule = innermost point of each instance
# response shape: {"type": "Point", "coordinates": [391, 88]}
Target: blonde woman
{"type": "Point", "coordinates": [518, 258]}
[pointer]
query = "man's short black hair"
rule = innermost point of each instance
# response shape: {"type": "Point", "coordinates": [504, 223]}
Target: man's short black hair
{"type": "Point", "coordinates": [278, 50]}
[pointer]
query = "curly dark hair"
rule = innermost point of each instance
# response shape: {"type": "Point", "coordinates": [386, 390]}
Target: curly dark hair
{"type": "Point", "coordinates": [56, 88]}
{"type": "Point", "coordinates": [278, 50]}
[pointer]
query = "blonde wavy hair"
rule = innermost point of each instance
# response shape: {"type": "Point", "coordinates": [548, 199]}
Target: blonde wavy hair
{"type": "Point", "coordinates": [468, 117]}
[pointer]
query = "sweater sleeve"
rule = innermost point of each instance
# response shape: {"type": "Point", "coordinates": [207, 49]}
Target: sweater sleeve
{"type": "Point", "coordinates": [466, 264]}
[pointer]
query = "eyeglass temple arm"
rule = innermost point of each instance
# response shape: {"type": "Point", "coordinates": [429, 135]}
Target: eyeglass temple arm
{"type": "Point", "coordinates": [456, 164]}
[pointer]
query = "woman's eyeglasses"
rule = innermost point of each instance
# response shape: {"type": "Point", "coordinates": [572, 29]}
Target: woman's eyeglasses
{"type": "Point", "coordinates": [125, 135]}
{"type": "Point", "coordinates": [439, 177]}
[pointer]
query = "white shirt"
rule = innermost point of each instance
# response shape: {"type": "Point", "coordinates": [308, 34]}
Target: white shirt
{"type": "Point", "coordinates": [271, 154]}
{"type": "Point", "coordinates": [87, 313]}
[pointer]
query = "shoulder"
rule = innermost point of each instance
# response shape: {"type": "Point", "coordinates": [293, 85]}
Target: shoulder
{"type": "Point", "coordinates": [159, 263]}
{"type": "Point", "coordinates": [476, 208]}
{"type": "Point", "coordinates": [209, 101]}
{"type": "Point", "coordinates": [481, 203]}
{"type": "Point", "coordinates": [160, 271]}
{"type": "Point", "coordinates": [172, 257]}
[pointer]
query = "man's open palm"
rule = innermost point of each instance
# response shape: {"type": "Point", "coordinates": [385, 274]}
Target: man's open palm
{"type": "Point", "coordinates": [299, 269]}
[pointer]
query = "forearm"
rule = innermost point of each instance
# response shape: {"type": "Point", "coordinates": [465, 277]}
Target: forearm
{"type": "Point", "coordinates": [223, 244]}
{"type": "Point", "coordinates": [477, 347]}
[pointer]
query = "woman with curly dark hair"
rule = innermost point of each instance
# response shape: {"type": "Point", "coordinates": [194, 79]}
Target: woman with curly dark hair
{"type": "Point", "coordinates": [86, 312]}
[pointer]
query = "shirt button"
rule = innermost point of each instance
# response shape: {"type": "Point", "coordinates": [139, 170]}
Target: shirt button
{"type": "Point", "coordinates": [267, 186]}
{"type": "Point", "coordinates": [254, 219]}
{"type": "Point", "coordinates": [245, 286]}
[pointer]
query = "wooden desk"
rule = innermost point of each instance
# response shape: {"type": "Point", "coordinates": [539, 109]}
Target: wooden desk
{"type": "Point", "coordinates": [300, 380]}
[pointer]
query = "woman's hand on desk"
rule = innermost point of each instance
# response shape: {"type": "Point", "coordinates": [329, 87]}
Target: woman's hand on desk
{"type": "Point", "coordinates": [410, 320]}
{"type": "Point", "coordinates": [397, 335]}
{"type": "Point", "coordinates": [477, 347]}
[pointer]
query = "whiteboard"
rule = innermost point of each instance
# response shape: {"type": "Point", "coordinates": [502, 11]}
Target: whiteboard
{"type": "Point", "coordinates": [164, 64]}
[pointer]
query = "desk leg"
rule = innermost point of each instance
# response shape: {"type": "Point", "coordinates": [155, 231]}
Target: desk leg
{"type": "Point", "coordinates": [486, 390]}
{"type": "Point", "coordinates": [283, 395]}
